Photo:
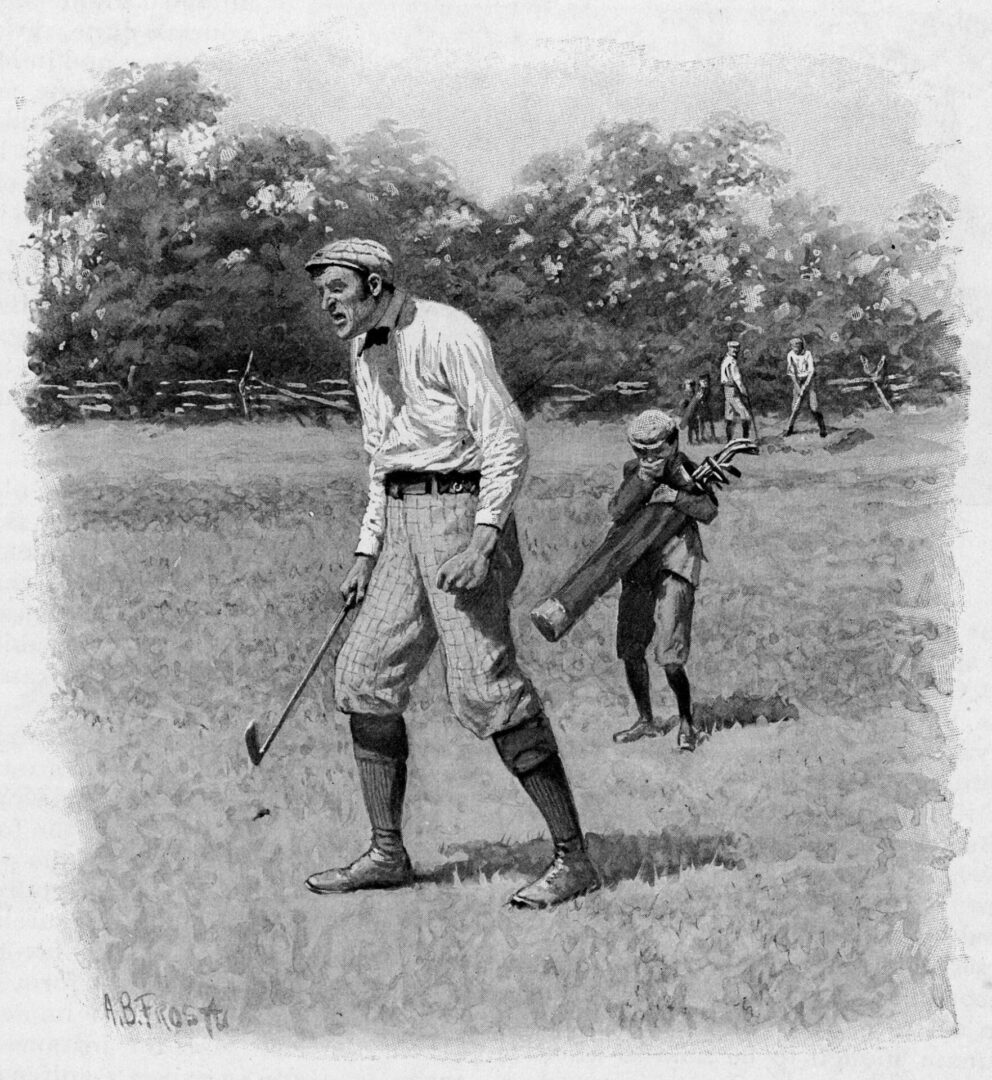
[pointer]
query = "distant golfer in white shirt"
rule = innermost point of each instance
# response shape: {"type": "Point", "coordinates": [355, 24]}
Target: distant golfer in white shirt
{"type": "Point", "coordinates": [734, 395]}
{"type": "Point", "coordinates": [801, 369]}
{"type": "Point", "coordinates": [436, 563]}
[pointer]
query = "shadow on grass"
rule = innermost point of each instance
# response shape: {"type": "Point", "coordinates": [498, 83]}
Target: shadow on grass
{"type": "Point", "coordinates": [618, 856]}
{"type": "Point", "coordinates": [741, 709]}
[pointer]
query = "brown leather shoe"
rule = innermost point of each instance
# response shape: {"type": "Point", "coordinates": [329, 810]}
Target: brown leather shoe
{"type": "Point", "coordinates": [570, 875]}
{"type": "Point", "coordinates": [373, 870]}
{"type": "Point", "coordinates": [643, 729]}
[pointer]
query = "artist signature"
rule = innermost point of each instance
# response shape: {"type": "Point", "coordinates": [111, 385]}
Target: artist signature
{"type": "Point", "coordinates": [148, 1010]}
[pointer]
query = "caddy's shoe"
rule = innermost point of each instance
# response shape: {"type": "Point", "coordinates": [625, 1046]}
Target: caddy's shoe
{"type": "Point", "coordinates": [570, 875]}
{"type": "Point", "coordinates": [373, 870]}
{"type": "Point", "coordinates": [688, 737]}
{"type": "Point", "coordinates": [643, 729]}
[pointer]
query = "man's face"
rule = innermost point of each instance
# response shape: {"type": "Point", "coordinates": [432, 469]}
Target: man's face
{"type": "Point", "coordinates": [733, 350]}
{"type": "Point", "coordinates": [796, 344]}
{"type": "Point", "coordinates": [351, 302]}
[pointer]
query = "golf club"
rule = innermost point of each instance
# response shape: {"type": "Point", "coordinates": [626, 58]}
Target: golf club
{"type": "Point", "coordinates": [256, 752]}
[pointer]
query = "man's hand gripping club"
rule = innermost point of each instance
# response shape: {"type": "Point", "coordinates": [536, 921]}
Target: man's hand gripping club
{"type": "Point", "coordinates": [356, 581]}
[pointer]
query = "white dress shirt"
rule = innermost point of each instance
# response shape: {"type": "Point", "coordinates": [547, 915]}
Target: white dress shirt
{"type": "Point", "coordinates": [800, 365]}
{"type": "Point", "coordinates": [730, 374]}
{"type": "Point", "coordinates": [432, 400]}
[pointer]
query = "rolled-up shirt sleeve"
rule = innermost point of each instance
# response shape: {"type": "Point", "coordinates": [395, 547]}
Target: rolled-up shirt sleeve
{"type": "Point", "coordinates": [374, 520]}
{"type": "Point", "coordinates": [493, 420]}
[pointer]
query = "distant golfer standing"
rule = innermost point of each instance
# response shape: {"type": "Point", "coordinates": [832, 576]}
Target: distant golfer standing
{"type": "Point", "coordinates": [704, 411]}
{"type": "Point", "coordinates": [734, 395]}
{"type": "Point", "coordinates": [689, 410]}
{"type": "Point", "coordinates": [801, 369]}
{"type": "Point", "coordinates": [437, 561]}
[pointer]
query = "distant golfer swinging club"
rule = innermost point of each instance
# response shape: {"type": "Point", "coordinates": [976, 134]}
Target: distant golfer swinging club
{"type": "Point", "coordinates": [436, 562]}
{"type": "Point", "coordinates": [801, 369]}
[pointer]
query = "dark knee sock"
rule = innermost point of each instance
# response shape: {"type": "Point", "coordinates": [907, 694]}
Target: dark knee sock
{"type": "Point", "coordinates": [746, 429]}
{"type": "Point", "coordinates": [530, 752]}
{"type": "Point", "coordinates": [639, 682]}
{"type": "Point", "coordinates": [679, 682]}
{"type": "Point", "coordinates": [548, 787]}
{"type": "Point", "coordinates": [730, 430]}
{"type": "Point", "coordinates": [381, 751]}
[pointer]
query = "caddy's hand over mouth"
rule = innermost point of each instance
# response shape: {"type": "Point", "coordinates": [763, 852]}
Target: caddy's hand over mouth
{"type": "Point", "coordinates": [652, 470]}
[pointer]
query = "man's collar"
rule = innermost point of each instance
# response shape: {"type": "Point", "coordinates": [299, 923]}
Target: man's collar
{"type": "Point", "coordinates": [396, 315]}
{"type": "Point", "coordinates": [391, 315]}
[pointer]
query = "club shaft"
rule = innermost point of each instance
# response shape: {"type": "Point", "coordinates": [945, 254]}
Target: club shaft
{"type": "Point", "coordinates": [314, 664]}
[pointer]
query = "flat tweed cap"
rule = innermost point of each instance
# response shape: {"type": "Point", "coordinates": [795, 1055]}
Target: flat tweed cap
{"type": "Point", "coordinates": [365, 256]}
{"type": "Point", "coordinates": [651, 429]}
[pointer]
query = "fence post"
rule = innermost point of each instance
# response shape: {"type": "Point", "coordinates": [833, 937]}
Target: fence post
{"type": "Point", "coordinates": [241, 387]}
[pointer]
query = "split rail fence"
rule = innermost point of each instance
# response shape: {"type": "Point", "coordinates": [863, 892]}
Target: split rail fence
{"type": "Point", "coordinates": [238, 396]}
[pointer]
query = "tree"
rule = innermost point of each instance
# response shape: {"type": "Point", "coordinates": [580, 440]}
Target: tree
{"type": "Point", "coordinates": [171, 242]}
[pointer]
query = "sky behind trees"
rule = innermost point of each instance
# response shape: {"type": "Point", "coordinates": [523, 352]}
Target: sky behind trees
{"type": "Point", "coordinates": [849, 128]}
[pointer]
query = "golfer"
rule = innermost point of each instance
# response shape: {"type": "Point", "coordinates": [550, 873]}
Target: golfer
{"type": "Point", "coordinates": [704, 410]}
{"type": "Point", "coordinates": [437, 560]}
{"type": "Point", "coordinates": [687, 409]}
{"type": "Point", "coordinates": [801, 369]}
{"type": "Point", "coordinates": [734, 395]}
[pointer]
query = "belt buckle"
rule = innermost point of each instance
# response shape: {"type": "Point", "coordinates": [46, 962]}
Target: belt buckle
{"type": "Point", "coordinates": [456, 487]}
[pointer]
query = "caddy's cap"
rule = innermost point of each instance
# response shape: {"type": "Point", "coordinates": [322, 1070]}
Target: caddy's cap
{"type": "Point", "coordinates": [651, 429]}
{"type": "Point", "coordinates": [365, 256]}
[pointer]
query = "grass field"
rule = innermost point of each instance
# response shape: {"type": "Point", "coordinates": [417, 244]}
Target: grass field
{"type": "Point", "coordinates": [785, 882]}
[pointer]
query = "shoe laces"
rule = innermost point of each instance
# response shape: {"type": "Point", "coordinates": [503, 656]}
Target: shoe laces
{"type": "Point", "coordinates": [554, 871]}
{"type": "Point", "coordinates": [560, 863]}
{"type": "Point", "coordinates": [380, 857]}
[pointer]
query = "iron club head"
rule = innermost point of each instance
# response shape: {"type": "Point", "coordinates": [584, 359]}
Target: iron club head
{"type": "Point", "coordinates": [255, 752]}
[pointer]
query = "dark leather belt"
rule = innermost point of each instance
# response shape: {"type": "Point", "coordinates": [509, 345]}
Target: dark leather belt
{"type": "Point", "coordinates": [403, 483]}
